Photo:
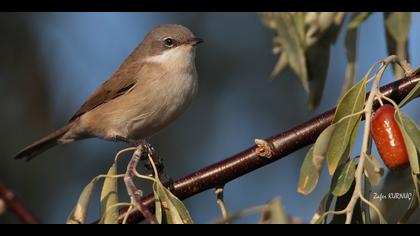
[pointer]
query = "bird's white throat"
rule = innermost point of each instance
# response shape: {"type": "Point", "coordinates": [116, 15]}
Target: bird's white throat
{"type": "Point", "coordinates": [175, 58]}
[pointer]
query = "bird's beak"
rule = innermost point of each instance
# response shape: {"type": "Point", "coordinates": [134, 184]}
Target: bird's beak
{"type": "Point", "coordinates": [194, 41]}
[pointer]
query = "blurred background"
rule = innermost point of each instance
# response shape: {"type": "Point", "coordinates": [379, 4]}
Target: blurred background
{"type": "Point", "coordinates": [51, 62]}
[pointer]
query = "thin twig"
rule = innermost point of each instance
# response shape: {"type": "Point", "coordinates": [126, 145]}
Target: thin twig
{"type": "Point", "coordinates": [133, 192]}
{"type": "Point", "coordinates": [325, 214]}
{"type": "Point", "coordinates": [371, 205]}
{"type": "Point", "coordinates": [127, 213]}
{"type": "Point", "coordinates": [241, 214]}
{"type": "Point", "coordinates": [13, 204]}
{"type": "Point", "coordinates": [220, 201]}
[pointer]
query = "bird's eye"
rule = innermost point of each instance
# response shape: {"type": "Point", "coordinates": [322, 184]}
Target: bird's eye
{"type": "Point", "coordinates": [169, 42]}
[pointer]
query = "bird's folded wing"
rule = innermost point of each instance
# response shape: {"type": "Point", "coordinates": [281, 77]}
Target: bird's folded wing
{"type": "Point", "coordinates": [120, 83]}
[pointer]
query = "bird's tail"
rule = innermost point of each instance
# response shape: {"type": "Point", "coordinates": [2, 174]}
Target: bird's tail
{"type": "Point", "coordinates": [43, 144]}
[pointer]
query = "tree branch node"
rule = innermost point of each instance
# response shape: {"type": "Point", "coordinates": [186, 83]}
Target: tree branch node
{"type": "Point", "coordinates": [264, 148]}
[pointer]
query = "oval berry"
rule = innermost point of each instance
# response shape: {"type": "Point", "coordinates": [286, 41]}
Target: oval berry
{"type": "Point", "coordinates": [388, 138]}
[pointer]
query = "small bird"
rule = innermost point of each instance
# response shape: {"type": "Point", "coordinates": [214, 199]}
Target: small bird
{"type": "Point", "coordinates": [150, 89]}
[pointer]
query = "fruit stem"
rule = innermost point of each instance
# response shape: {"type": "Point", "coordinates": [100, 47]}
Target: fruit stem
{"type": "Point", "coordinates": [358, 190]}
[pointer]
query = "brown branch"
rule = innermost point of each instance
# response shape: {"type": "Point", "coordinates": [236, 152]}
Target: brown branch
{"type": "Point", "coordinates": [280, 145]}
{"type": "Point", "coordinates": [14, 205]}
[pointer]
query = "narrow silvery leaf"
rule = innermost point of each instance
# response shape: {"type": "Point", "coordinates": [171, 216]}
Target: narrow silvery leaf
{"type": "Point", "coordinates": [180, 207]}
{"type": "Point", "coordinates": [170, 210]}
{"type": "Point", "coordinates": [299, 22]}
{"type": "Point", "coordinates": [397, 27]}
{"type": "Point", "coordinates": [281, 64]}
{"type": "Point", "coordinates": [109, 197]}
{"type": "Point", "coordinates": [326, 19]}
{"type": "Point", "coordinates": [412, 130]}
{"type": "Point", "coordinates": [398, 24]}
{"type": "Point", "coordinates": [318, 54]}
{"type": "Point", "coordinates": [351, 48]}
{"type": "Point", "coordinates": [373, 169]}
{"type": "Point", "coordinates": [312, 27]}
{"type": "Point", "coordinates": [324, 206]}
{"type": "Point", "coordinates": [274, 213]}
{"type": "Point", "coordinates": [292, 46]}
{"type": "Point", "coordinates": [415, 92]}
{"type": "Point", "coordinates": [79, 212]}
{"type": "Point", "coordinates": [351, 44]}
{"type": "Point", "coordinates": [409, 144]}
{"type": "Point", "coordinates": [357, 19]}
{"type": "Point", "coordinates": [318, 58]}
{"type": "Point", "coordinates": [169, 213]}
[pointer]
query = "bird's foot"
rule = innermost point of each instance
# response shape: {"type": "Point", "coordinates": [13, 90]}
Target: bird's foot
{"type": "Point", "coordinates": [133, 142]}
{"type": "Point", "coordinates": [149, 151]}
{"type": "Point", "coordinates": [157, 161]}
{"type": "Point", "coordinates": [167, 181]}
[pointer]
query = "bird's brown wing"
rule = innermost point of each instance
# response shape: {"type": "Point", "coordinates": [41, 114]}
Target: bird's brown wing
{"type": "Point", "coordinates": [120, 83]}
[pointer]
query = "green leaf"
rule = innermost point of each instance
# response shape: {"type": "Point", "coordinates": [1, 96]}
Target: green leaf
{"type": "Point", "coordinates": [351, 44]}
{"type": "Point", "coordinates": [330, 24]}
{"type": "Point", "coordinates": [109, 197]}
{"type": "Point", "coordinates": [291, 45]}
{"type": "Point", "coordinates": [312, 28]}
{"type": "Point", "coordinates": [405, 123]}
{"type": "Point", "coordinates": [343, 178]}
{"type": "Point", "coordinates": [180, 207]}
{"type": "Point", "coordinates": [352, 102]}
{"type": "Point", "coordinates": [318, 54]}
{"type": "Point", "coordinates": [79, 212]}
{"type": "Point", "coordinates": [169, 209]}
{"type": "Point", "coordinates": [351, 48]}
{"type": "Point", "coordinates": [160, 214]}
{"type": "Point", "coordinates": [321, 145]}
{"type": "Point", "coordinates": [326, 20]}
{"type": "Point", "coordinates": [412, 130]}
{"type": "Point", "coordinates": [309, 174]}
{"type": "Point", "coordinates": [318, 58]}
{"type": "Point", "coordinates": [353, 137]}
{"type": "Point", "coordinates": [274, 213]}
{"type": "Point", "coordinates": [397, 27]}
{"type": "Point", "coordinates": [312, 164]}
{"type": "Point", "coordinates": [341, 203]}
{"type": "Point", "coordinates": [357, 19]}
{"type": "Point", "coordinates": [338, 22]}
{"type": "Point", "coordinates": [324, 206]}
{"type": "Point", "coordinates": [299, 22]}
{"type": "Point", "coordinates": [398, 24]}
{"type": "Point", "coordinates": [373, 169]}
{"type": "Point", "coordinates": [415, 92]}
